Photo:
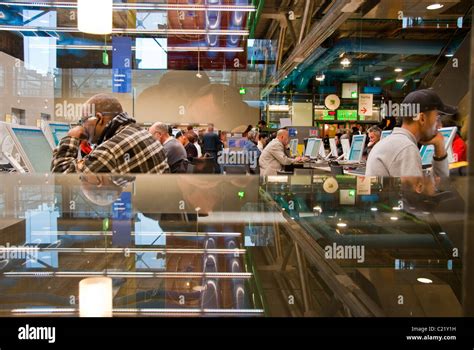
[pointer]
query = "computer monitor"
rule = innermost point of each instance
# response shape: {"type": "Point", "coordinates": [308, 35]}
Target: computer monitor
{"type": "Point", "coordinates": [357, 148]}
{"type": "Point", "coordinates": [346, 148]}
{"type": "Point", "coordinates": [385, 134]}
{"type": "Point", "coordinates": [294, 147]}
{"type": "Point", "coordinates": [312, 148]}
{"type": "Point", "coordinates": [33, 146]}
{"type": "Point", "coordinates": [334, 151]}
{"type": "Point", "coordinates": [59, 131]}
{"type": "Point", "coordinates": [427, 151]}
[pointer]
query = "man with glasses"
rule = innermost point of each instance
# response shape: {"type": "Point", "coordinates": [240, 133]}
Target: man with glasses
{"type": "Point", "coordinates": [121, 146]}
{"type": "Point", "coordinates": [398, 155]}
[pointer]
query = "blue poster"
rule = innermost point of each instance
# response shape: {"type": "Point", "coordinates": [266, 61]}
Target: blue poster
{"type": "Point", "coordinates": [122, 221]}
{"type": "Point", "coordinates": [122, 65]}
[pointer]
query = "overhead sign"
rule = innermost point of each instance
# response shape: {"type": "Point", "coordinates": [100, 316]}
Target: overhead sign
{"type": "Point", "coordinates": [366, 102]}
{"type": "Point", "coordinates": [332, 102]}
{"type": "Point", "coordinates": [121, 65]}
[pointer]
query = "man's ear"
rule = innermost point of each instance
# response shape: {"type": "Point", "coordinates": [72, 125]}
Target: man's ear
{"type": "Point", "coordinates": [419, 116]}
{"type": "Point", "coordinates": [101, 118]}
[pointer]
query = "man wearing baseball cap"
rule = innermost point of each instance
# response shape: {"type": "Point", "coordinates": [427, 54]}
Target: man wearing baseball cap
{"type": "Point", "coordinates": [398, 155]}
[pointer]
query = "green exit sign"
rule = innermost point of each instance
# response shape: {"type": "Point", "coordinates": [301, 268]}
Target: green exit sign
{"type": "Point", "coordinates": [243, 91]}
{"type": "Point", "coordinates": [241, 194]}
{"type": "Point", "coordinates": [354, 94]}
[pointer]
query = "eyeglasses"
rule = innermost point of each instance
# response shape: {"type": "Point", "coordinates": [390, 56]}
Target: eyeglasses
{"type": "Point", "coordinates": [84, 119]}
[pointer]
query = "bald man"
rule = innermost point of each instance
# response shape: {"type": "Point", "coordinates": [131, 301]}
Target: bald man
{"type": "Point", "coordinates": [122, 147]}
{"type": "Point", "coordinates": [274, 158]}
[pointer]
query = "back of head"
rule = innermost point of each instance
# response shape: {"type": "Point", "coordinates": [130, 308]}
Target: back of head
{"type": "Point", "coordinates": [106, 104]}
{"type": "Point", "coordinates": [160, 127]}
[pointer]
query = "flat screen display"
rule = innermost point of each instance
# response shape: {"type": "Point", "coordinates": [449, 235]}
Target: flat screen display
{"type": "Point", "coordinates": [36, 147]}
{"type": "Point", "coordinates": [59, 131]}
{"type": "Point", "coordinates": [357, 148]}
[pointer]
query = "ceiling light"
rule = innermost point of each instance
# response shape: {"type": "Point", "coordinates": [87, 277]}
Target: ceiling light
{"type": "Point", "coordinates": [394, 218]}
{"type": "Point", "coordinates": [204, 49]}
{"type": "Point", "coordinates": [396, 208]}
{"type": "Point", "coordinates": [94, 17]}
{"type": "Point", "coordinates": [346, 62]}
{"type": "Point", "coordinates": [341, 224]}
{"type": "Point", "coordinates": [435, 7]}
{"type": "Point", "coordinates": [374, 209]}
{"type": "Point", "coordinates": [424, 280]}
{"type": "Point", "coordinates": [449, 55]}
{"type": "Point", "coordinates": [398, 70]}
{"type": "Point", "coordinates": [320, 77]}
{"type": "Point", "coordinates": [400, 80]}
{"type": "Point", "coordinates": [377, 78]}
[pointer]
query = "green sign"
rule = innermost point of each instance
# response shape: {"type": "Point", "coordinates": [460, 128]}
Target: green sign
{"type": "Point", "coordinates": [243, 91]}
{"type": "Point", "coordinates": [347, 114]}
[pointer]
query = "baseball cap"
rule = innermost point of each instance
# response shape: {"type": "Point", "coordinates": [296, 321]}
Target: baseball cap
{"type": "Point", "coordinates": [428, 100]}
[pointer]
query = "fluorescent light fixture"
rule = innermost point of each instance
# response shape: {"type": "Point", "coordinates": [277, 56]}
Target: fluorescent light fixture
{"type": "Point", "coordinates": [341, 224]}
{"type": "Point", "coordinates": [424, 280]}
{"type": "Point", "coordinates": [94, 17]}
{"type": "Point", "coordinates": [396, 208]}
{"type": "Point", "coordinates": [374, 209]}
{"type": "Point", "coordinates": [400, 80]}
{"type": "Point", "coordinates": [449, 55]}
{"type": "Point", "coordinates": [377, 78]}
{"type": "Point", "coordinates": [394, 218]}
{"type": "Point", "coordinates": [435, 7]}
{"type": "Point", "coordinates": [398, 70]}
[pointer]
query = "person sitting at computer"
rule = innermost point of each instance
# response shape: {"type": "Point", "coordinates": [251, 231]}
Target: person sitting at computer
{"type": "Point", "coordinates": [122, 146]}
{"type": "Point", "coordinates": [375, 134]}
{"type": "Point", "coordinates": [274, 158]}
{"type": "Point", "coordinates": [262, 140]}
{"type": "Point", "coordinates": [174, 150]}
{"type": "Point", "coordinates": [398, 155]}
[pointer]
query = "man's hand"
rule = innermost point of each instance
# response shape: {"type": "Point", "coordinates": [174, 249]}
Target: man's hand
{"type": "Point", "coordinates": [438, 143]}
{"type": "Point", "coordinates": [78, 132]}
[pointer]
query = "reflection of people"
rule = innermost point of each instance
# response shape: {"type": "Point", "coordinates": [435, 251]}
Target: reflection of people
{"type": "Point", "coordinates": [187, 140]}
{"type": "Point", "coordinates": [103, 190]}
{"type": "Point", "coordinates": [273, 157]}
{"type": "Point", "coordinates": [374, 137]}
{"type": "Point", "coordinates": [398, 155]}
{"type": "Point", "coordinates": [459, 146]}
{"type": "Point", "coordinates": [121, 145]}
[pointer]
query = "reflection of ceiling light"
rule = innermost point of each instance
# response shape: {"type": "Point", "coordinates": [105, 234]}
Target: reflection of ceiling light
{"type": "Point", "coordinates": [449, 55]}
{"type": "Point", "coordinates": [442, 233]}
{"type": "Point", "coordinates": [394, 218]}
{"type": "Point", "coordinates": [424, 280]}
{"type": "Point", "coordinates": [435, 7]}
{"type": "Point", "coordinates": [320, 77]}
{"type": "Point", "coordinates": [377, 78]}
{"type": "Point", "coordinates": [341, 224]}
{"type": "Point", "coordinates": [400, 80]}
{"type": "Point", "coordinates": [398, 70]}
{"type": "Point", "coordinates": [374, 209]}
{"type": "Point", "coordinates": [94, 17]}
{"type": "Point", "coordinates": [396, 208]}
{"type": "Point", "coordinates": [204, 49]}
{"type": "Point", "coordinates": [346, 62]}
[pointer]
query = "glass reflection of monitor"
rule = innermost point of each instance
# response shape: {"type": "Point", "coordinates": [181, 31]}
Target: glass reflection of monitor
{"type": "Point", "coordinates": [427, 151]}
{"type": "Point", "coordinates": [332, 144]}
{"type": "Point", "coordinates": [35, 147]}
{"type": "Point", "coordinates": [59, 131]}
{"type": "Point", "coordinates": [312, 148]}
{"type": "Point", "coordinates": [427, 154]}
{"type": "Point", "coordinates": [357, 148]}
{"type": "Point", "coordinates": [385, 134]}
{"type": "Point", "coordinates": [294, 147]}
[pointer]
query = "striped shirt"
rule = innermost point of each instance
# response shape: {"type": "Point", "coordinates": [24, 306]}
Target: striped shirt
{"type": "Point", "coordinates": [131, 150]}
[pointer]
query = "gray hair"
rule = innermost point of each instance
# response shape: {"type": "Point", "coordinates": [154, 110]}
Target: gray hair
{"type": "Point", "coordinates": [252, 135]}
{"type": "Point", "coordinates": [376, 130]}
{"type": "Point", "coordinates": [162, 128]}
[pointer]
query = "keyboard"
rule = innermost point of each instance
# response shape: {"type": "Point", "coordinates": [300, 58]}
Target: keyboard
{"type": "Point", "coordinates": [349, 162]}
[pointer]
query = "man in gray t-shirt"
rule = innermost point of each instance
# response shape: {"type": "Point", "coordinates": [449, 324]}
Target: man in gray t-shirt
{"type": "Point", "coordinates": [398, 155]}
{"type": "Point", "coordinates": [174, 150]}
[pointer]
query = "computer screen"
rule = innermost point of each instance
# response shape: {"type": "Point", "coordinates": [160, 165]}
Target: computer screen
{"type": "Point", "coordinates": [346, 147]}
{"type": "Point", "coordinates": [294, 147]}
{"type": "Point", "coordinates": [36, 147]}
{"type": "Point", "coordinates": [357, 148]}
{"type": "Point", "coordinates": [59, 131]}
{"type": "Point", "coordinates": [385, 134]}
{"type": "Point", "coordinates": [427, 153]}
{"type": "Point", "coordinates": [312, 148]}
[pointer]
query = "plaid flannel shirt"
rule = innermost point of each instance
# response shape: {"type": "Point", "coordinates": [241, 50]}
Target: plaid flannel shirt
{"type": "Point", "coordinates": [131, 150]}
